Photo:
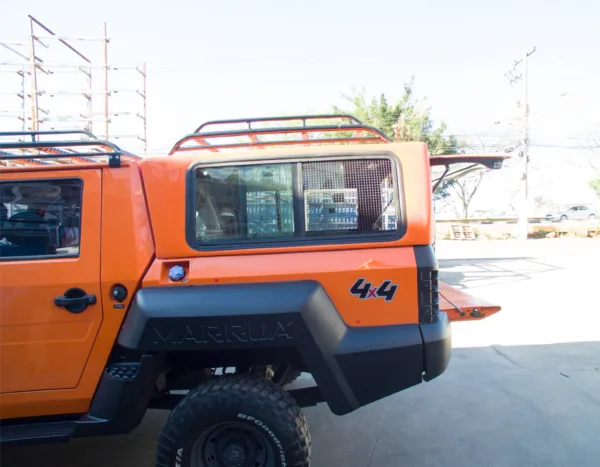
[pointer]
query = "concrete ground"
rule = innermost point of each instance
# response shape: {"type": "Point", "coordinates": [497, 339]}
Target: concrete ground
{"type": "Point", "coordinates": [522, 388]}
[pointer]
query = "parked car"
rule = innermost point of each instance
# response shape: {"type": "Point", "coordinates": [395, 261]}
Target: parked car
{"type": "Point", "coordinates": [574, 213]}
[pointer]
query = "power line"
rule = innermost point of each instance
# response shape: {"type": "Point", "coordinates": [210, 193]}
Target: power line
{"type": "Point", "coordinates": [524, 154]}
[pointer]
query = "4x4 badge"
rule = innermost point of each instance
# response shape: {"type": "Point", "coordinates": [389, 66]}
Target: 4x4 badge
{"type": "Point", "coordinates": [366, 291]}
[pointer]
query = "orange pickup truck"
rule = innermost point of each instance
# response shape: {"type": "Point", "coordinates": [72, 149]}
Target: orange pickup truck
{"type": "Point", "coordinates": [206, 280]}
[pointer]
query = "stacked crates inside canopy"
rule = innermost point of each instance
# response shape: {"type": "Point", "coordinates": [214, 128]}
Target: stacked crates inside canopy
{"type": "Point", "coordinates": [331, 209]}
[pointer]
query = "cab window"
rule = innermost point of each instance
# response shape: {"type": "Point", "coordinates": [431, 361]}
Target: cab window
{"type": "Point", "coordinates": [40, 218]}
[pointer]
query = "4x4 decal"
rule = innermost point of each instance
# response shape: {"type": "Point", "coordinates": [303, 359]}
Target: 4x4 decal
{"type": "Point", "coordinates": [366, 291]}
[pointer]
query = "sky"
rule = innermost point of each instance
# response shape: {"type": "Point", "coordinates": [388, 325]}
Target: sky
{"type": "Point", "coordinates": [230, 59]}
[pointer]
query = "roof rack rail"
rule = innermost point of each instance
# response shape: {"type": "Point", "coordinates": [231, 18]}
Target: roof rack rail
{"type": "Point", "coordinates": [285, 118]}
{"type": "Point", "coordinates": [22, 152]}
{"type": "Point", "coordinates": [303, 133]}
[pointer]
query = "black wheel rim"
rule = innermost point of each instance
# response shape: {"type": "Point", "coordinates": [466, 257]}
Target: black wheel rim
{"type": "Point", "coordinates": [232, 444]}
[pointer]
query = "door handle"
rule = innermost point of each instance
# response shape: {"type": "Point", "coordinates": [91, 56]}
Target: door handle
{"type": "Point", "coordinates": [75, 300]}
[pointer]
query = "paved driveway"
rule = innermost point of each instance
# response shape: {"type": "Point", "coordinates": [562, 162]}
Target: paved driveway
{"type": "Point", "coordinates": [522, 389]}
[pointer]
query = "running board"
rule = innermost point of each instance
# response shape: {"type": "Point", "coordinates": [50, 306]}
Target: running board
{"type": "Point", "coordinates": [37, 431]}
{"type": "Point", "coordinates": [117, 408]}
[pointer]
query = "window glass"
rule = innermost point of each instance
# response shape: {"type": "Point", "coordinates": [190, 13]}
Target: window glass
{"type": "Point", "coordinates": [250, 202]}
{"type": "Point", "coordinates": [40, 218]}
{"type": "Point", "coordinates": [244, 202]}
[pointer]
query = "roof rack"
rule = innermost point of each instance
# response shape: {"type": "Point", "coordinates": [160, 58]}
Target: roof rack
{"type": "Point", "coordinates": [20, 152]}
{"type": "Point", "coordinates": [302, 133]}
{"type": "Point", "coordinates": [302, 118]}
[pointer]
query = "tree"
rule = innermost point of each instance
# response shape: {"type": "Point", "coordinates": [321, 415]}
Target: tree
{"type": "Point", "coordinates": [407, 119]}
{"type": "Point", "coordinates": [593, 144]}
{"type": "Point", "coordinates": [462, 190]}
{"type": "Point", "coordinates": [595, 184]}
{"type": "Point", "coordinates": [543, 203]}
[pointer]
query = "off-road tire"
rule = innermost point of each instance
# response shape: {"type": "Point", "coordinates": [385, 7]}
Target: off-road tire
{"type": "Point", "coordinates": [246, 400]}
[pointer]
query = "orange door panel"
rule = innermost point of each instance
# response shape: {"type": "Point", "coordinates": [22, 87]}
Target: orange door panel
{"type": "Point", "coordinates": [43, 345]}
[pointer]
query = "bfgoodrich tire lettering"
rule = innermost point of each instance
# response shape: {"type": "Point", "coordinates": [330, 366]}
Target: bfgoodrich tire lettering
{"type": "Point", "coordinates": [242, 402]}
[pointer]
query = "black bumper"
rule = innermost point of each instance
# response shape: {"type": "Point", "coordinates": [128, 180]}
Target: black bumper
{"type": "Point", "coordinates": [352, 366]}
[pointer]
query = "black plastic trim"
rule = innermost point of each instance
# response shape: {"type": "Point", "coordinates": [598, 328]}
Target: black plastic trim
{"type": "Point", "coordinates": [121, 402]}
{"type": "Point", "coordinates": [40, 430]}
{"type": "Point", "coordinates": [437, 342]}
{"type": "Point", "coordinates": [292, 241]}
{"type": "Point", "coordinates": [351, 366]}
{"type": "Point", "coordinates": [427, 287]}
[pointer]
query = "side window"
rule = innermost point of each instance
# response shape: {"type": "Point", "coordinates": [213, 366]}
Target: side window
{"type": "Point", "coordinates": [244, 202]}
{"type": "Point", "coordinates": [40, 218]}
{"type": "Point", "coordinates": [266, 202]}
{"type": "Point", "coordinates": [349, 197]}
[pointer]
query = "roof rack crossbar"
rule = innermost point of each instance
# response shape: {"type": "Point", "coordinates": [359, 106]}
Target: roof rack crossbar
{"type": "Point", "coordinates": [303, 118]}
{"type": "Point", "coordinates": [48, 132]}
{"type": "Point", "coordinates": [57, 144]}
{"type": "Point", "coordinates": [202, 138]}
{"type": "Point", "coordinates": [35, 151]}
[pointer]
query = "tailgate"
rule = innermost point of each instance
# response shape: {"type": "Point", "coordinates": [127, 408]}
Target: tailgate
{"type": "Point", "coordinates": [462, 306]}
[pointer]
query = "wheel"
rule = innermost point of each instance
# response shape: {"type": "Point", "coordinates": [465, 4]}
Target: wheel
{"type": "Point", "coordinates": [563, 218]}
{"type": "Point", "coordinates": [235, 421]}
{"type": "Point", "coordinates": [592, 217]}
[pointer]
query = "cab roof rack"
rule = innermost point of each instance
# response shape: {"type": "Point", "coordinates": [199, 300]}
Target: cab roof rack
{"type": "Point", "coordinates": [32, 148]}
{"type": "Point", "coordinates": [300, 134]}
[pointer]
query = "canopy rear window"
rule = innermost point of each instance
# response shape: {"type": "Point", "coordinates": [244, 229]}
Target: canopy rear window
{"type": "Point", "coordinates": [320, 201]}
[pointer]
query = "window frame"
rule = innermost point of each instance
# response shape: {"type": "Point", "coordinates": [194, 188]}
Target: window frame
{"type": "Point", "coordinates": [299, 238]}
{"type": "Point", "coordinates": [57, 256]}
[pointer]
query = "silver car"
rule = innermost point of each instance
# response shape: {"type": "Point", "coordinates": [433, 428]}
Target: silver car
{"type": "Point", "coordinates": [574, 213]}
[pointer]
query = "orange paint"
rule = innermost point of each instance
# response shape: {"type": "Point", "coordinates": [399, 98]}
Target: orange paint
{"type": "Point", "coordinates": [165, 182]}
{"type": "Point", "coordinates": [133, 230]}
{"type": "Point", "coordinates": [42, 346]}
{"type": "Point", "coordinates": [51, 360]}
{"type": "Point", "coordinates": [335, 270]}
{"type": "Point", "coordinates": [462, 306]}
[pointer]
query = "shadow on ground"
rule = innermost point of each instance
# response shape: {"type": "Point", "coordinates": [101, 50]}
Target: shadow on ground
{"type": "Point", "coordinates": [482, 272]}
{"type": "Point", "coordinates": [495, 406]}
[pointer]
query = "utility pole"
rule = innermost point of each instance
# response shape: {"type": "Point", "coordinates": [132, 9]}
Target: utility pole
{"type": "Point", "coordinates": [523, 227]}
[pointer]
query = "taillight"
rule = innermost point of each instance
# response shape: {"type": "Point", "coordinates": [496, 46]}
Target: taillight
{"type": "Point", "coordinates": [429, 300]}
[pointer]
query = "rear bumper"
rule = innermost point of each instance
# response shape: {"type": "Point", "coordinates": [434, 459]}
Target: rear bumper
{"type": "Point", "coordinates": [437, 346]}
{"type": "Point", "coordinates": [379, 361]}
{"type": "Point", "coordinates": [352, 366]}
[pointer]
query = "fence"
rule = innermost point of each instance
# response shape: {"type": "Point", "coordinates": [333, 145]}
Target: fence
{"type": "Point", "coordinates": [506, 227]}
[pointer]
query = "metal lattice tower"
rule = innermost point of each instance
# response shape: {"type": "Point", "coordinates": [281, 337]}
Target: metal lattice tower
{"type": "Point", "coordinates": [48, 84]}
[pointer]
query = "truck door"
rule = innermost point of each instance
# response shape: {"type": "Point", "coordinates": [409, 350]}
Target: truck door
{"type": "Point", "coordinates": [50, 301]}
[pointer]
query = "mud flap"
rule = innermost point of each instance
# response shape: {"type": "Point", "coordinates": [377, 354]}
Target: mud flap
{"type": "Point", "coordinates": [462, 306]}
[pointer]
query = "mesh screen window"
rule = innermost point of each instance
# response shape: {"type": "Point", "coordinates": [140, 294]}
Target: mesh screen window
{"type": "Point", "coordinates": [267, 202]}
{"type": "Point", "coordinates": [349, 196]}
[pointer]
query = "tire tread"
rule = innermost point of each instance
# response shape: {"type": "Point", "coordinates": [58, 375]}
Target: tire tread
{"type": "Point", "coordinates": [242, 392]}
